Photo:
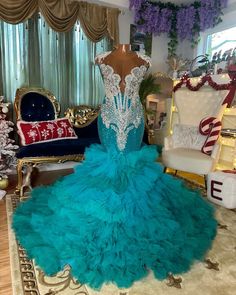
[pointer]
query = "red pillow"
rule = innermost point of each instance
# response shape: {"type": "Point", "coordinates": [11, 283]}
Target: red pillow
{"type": "Point", "coordinates": [211, 127]}
{"type": "Point", "coordinates": [45, 131]}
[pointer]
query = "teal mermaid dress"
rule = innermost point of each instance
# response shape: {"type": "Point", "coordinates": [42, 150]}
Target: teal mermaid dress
{"type": "Point", "coordinates": [118, 216]}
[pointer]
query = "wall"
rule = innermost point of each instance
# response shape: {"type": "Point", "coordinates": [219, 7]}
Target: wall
{"type": "Point", "coordinates": [185, 49]}
{"type": "Point", "coordinates": [159, 43]}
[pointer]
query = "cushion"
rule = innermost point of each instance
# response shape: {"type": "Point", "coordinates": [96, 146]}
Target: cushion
{"type": "Point", "coordinates": [187, 136]}
{"type": "Point", "coordinates": [56, 148]}
{"type": "Point", "coordinates": [89, 131]}
{"type": "Point", "coordinates": [45, 131]}
{"type": "Point", "coordinates": [210, 127]}
{"type": "Point", "coordinates": [188, 160]}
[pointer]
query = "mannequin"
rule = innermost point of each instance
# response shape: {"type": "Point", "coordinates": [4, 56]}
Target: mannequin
{"type": "Point", "coordinates": [118, 216]}
{"type": "Point", "coordinates": [122, 71]}
{"type": "Point", "coordinates": [123, 60]}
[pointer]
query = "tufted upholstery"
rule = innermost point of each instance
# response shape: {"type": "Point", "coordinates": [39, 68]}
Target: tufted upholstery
{"type": "Point", "coordinates": [36, 107]}
{"type": "Point", "coordinates": [192, 106]}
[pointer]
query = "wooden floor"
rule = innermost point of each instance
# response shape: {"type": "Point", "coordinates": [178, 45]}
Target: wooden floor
{"type": "Point", "coordinates": [5, 272]}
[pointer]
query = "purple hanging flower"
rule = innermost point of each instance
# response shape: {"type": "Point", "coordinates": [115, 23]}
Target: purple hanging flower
{"type": "Point", "coordinates": [154, 17]}
{"type": "Point", "coordinates": [214, 4]}
{"type": "Point", "coordinates": [155, 20]}
{"type": "Point", "coordinates": [136, 4]}
{"type": "Point", "coordinates": [137, 16]}
{"type": "Point", "coordinates": [148, 19]}
{"type": "Point", "coordinates": [208, 3]}
{"type": "Point", "coordinates": [208, 18]}
{"type": "Point", "coordinates": [185, 22]}
{"type": "Point", "coordinates": [209, 13]}
{"type": "Point", "coordinates": [165, 20]}
{"type": "Point", "coordinates": [223, 3]}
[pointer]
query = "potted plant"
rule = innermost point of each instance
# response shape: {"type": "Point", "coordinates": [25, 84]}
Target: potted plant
{"type": "Point", "coordinates": [176, 64]}
{"type": "Point", "coordinates": [148, 86]}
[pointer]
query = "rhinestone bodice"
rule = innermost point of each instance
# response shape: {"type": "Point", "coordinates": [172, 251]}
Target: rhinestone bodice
{"type": "Point", "coordinates": [121, 122]}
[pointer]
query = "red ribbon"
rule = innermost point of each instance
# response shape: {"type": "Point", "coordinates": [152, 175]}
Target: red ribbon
{"type": "Point", "coordinates": [229, 171]}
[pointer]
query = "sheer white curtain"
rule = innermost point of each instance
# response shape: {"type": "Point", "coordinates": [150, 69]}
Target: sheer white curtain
{"type": "Point", "coordinates": [13, 58]}
{"type": "Point", "coordinates": [32, 54]}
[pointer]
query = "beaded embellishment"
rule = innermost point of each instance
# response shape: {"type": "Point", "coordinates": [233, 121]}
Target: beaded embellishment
{"type": "Point", "coordinates": [122, 112]}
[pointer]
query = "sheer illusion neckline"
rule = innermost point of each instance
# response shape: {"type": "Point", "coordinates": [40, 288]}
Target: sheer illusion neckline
{"type": "Point", "coordinates": [101, 57]}
{"type": "Point", "coordinates": [112, 81]}
{"type": "Point", "coordinates": [132, 73]}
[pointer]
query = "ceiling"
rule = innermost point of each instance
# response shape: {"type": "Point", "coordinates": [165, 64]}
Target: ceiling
{"type": "Point", "coordinates": [178, 1]}
{"type": "Point", "coordinates": [125, 3]}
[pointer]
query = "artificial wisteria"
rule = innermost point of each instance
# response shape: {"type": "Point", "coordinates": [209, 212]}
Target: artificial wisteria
{"type": "Point", "coordinates": [179, 22]}
{"type": "Point", "coordinates": [185, 22]}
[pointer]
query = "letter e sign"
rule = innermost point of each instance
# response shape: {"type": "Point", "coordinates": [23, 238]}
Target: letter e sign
{"type": "Point", "coordinates": [214, 189]}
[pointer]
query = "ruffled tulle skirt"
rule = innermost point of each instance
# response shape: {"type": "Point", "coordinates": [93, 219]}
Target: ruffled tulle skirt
{"type": "Point", "coordinates": [114, 219]}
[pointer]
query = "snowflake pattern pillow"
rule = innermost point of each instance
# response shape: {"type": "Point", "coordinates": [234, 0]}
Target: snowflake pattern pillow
{"type": "Point", "coordinates": [187, 136]}
{"type": "Point", "coordinates": [45, 131]}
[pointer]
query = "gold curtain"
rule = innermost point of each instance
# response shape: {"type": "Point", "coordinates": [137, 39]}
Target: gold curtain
{"type": "Point", "coordinates": [61, 15]}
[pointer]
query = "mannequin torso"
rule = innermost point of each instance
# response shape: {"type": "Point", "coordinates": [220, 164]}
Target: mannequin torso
{"type": "Point", "coordinates": [121, 122]}
{"type": "Point", "coordinates": [122, 60]}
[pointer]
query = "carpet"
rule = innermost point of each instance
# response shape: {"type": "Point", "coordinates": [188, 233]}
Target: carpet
{"type": "Point", "coordinates": [215, 275]}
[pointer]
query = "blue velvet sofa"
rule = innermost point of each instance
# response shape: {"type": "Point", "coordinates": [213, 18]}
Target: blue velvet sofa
{"type": "Point", "coordinates": [37, 104]}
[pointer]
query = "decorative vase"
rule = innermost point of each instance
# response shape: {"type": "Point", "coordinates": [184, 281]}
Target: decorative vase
{"type": "Point", "coordinates": [4, 183]}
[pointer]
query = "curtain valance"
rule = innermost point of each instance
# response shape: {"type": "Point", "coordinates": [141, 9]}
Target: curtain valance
{"type": "Point", "coordinates": [96, 21]}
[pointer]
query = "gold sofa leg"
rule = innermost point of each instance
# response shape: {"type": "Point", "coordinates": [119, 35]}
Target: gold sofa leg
{"type": "Point", "coordinates": [20, 165]}
{"type": "Point", "coordinates": [205, 181]}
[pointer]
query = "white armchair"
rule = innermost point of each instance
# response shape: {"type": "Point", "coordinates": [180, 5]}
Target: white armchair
{"type": "Point", "coordinates": [189, 159]}
{"type": "Point", "coordinates": [182, 148]}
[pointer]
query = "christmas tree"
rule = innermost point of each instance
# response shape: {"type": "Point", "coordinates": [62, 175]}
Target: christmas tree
{"type": "Point", "coordinates": [7, 146]}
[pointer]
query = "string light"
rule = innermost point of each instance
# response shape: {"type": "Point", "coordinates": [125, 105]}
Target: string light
{"type": "Point", "coordinates": [234, 154]}
{"type": "Point", "coordinates": [230, 111]}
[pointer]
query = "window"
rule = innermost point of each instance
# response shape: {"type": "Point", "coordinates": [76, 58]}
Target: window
{"type": "Point", "coordinates": [221, 42]}
{"type": "Point", "coordinates": [32, 54]}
